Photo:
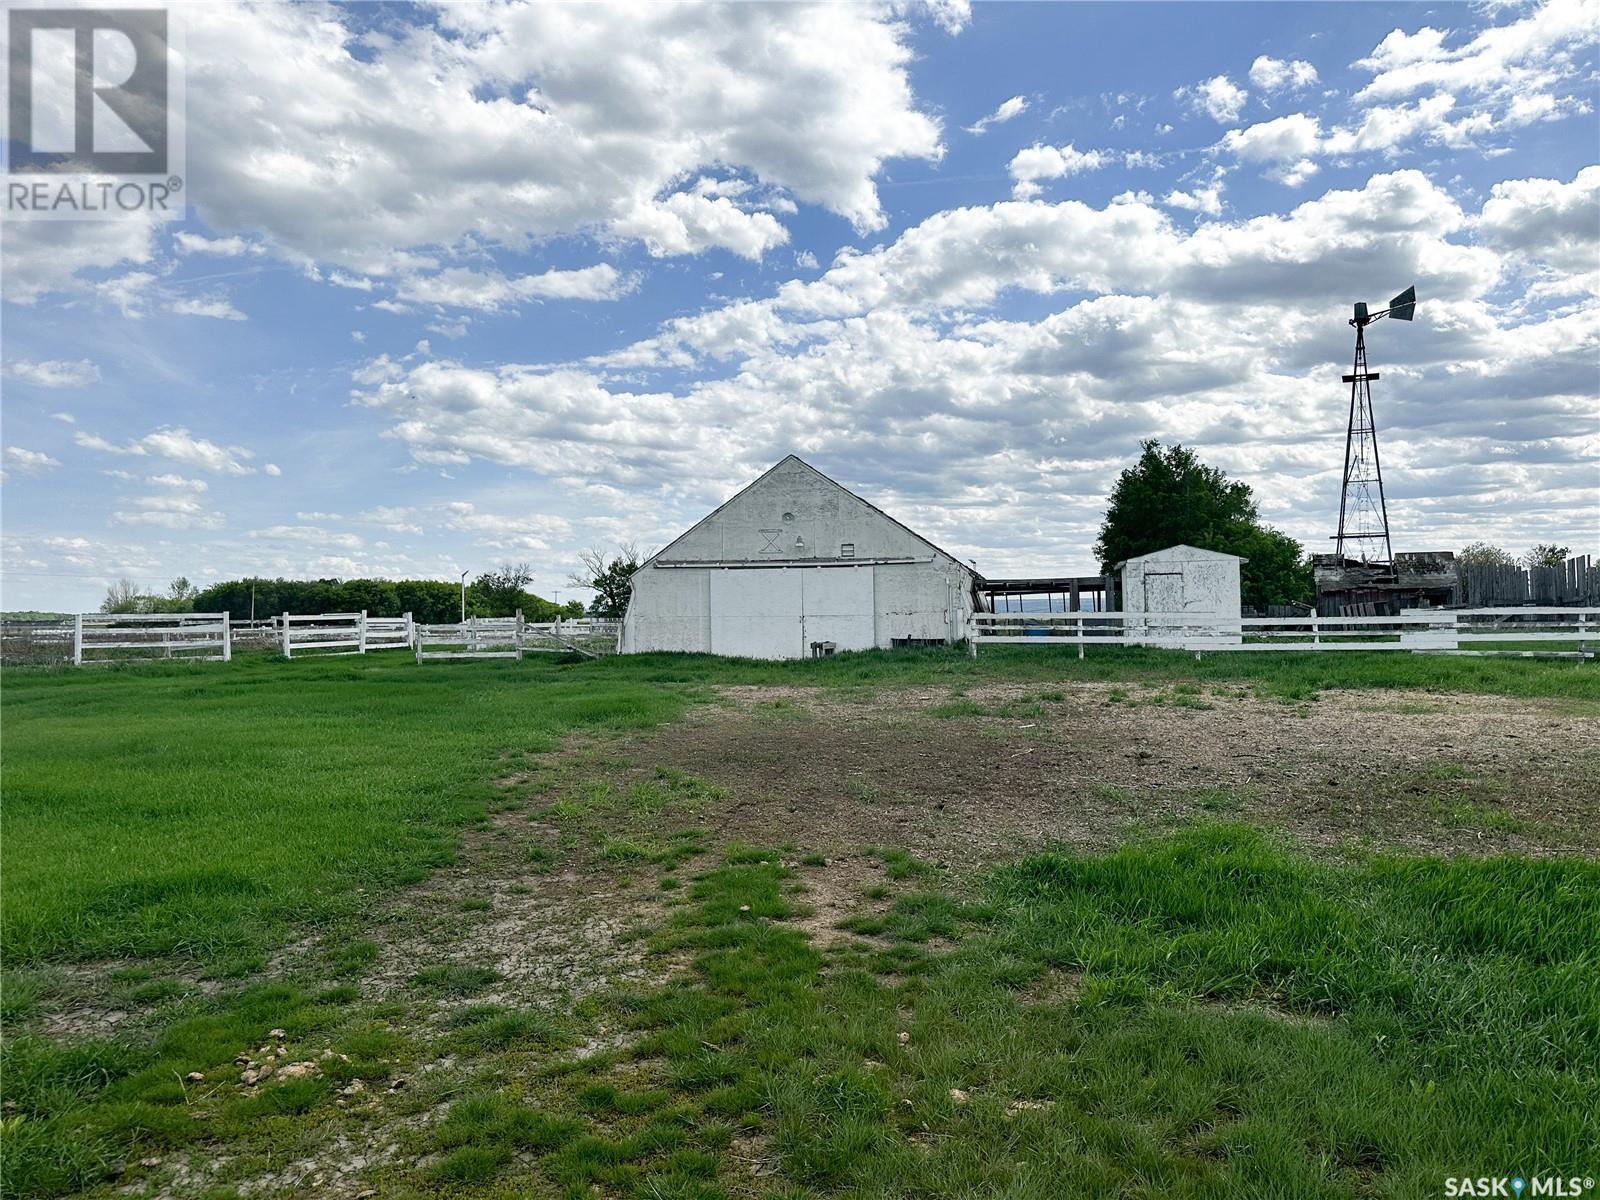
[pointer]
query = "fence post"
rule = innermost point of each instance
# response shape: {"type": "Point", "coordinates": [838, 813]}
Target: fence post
{"type": "Point", "coordinates": [1079, 622]}
{"type": "Point", "coordinates": [77, 640]}
{"type": "Point", "coordinates": [519, 634]}
{"type": "Point", "coordinates": [361, 637]}
{"type": "Point", "coordinates": [227, 638]}
{"type": "Point", "coordinates": [286, 645]}
{"type": "Point", "coordinates": [411, 629]}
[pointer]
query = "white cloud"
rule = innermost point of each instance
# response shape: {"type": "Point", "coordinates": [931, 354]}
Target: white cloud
{"type": "Point", "coordinates": [1548, 223]}
{"type": "Point", "coordinates": [54, 373]}
{"type": "Point", "coordinates": [1274, 74]}
{"type": "Point", "coordinates": [226, 247]}
{"type": "Point", "coordinates": [1050, 162]}
{"type": "Point", "coordinates": [207, 306]}
{"type": "Point", "coordinates": [28, 461]}
{"type": "Point", "coordinates": [1008, 109]}
{"type": "Point", "coordinates": [168, 512]}
{"type": "Point", "coordinates": [1524, 56]}
{"type": "Point", "coordinates": [620, 104]}
{"type": "Point", "coordinates": [458, 287]}
{"type": "Point", "coordinates": [177, 445]}
{"type": "Point", "coordinates": [1218, 97]}
{"type": "Point", "coordinates": [40, 257]}
{"type": "Point", "coordinates": [272, 469]}
{"type": "Point", "coordinates": [180, 482]}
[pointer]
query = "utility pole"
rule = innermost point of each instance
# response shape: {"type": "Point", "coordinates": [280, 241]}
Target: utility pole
{"type": "Point", "coordinates": [464, 575]}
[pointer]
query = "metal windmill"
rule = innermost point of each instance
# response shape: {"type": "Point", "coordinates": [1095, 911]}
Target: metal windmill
{"type": "Point", "coordinates": [1363, 515]}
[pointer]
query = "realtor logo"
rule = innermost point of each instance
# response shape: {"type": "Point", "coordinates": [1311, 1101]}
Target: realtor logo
{"type": "Point", "coordinates": [94, 113]}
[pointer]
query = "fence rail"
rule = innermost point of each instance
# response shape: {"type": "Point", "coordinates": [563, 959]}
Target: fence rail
{"type": "Point", "coordinates": [476, 637]}
{"type": "Point", "coordinates": [101, 638]}
{"type": "Point", "coordinates": [1432, 630]}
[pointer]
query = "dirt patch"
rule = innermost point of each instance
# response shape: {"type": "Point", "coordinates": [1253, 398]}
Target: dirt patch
{"type": "Point", "coordinates": [980, 777]}
{"type": "Point", "coordinates": [836, 892]}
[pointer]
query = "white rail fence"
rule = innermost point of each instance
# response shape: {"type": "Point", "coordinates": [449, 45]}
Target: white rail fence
{"type": "Point", "coordinates": [476, 637]}
{"type": "Point", "coordinates": [1439, 631]}
{"type": "Point", "coordinates": [322, 634]}
{"type": "Point", "coordinates": [102, 638]}
{"type": "Point", "coordinates": [588, 636]}
{"type": "Point", "coordinates": [391, 633]}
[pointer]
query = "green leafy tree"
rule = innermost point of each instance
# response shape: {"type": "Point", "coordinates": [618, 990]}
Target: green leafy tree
{"type": "Point", "coordinates": [1482, 554]}
{"type": "Point", "coordinates": [611, 579]}
{"type": "Point", "coordinates": [1169, 497]}
{"type": "Point", "coordinates": [1545, 554]}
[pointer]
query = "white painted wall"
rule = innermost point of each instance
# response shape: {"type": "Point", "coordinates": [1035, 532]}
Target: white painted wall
{"type": "Point", "coordinates": [1182, 579]}
{"type": "Point", "coordinates": [791, 560]}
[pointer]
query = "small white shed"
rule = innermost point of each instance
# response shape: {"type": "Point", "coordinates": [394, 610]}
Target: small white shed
{"type": "Point", "coordinates": [1184, 580]}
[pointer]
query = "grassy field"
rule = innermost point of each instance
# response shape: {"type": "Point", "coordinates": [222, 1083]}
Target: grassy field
{"type": "Point", "coordinates": [207, 869]}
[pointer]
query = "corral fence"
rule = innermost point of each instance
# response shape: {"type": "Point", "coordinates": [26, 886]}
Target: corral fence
{"type": "Point", "coordinates": [588, 636]}
{"type": "Point", "coordinates": [101, 638]}
{"type": "Point", "coordinates": [342, 633]}
{"type": "Point", "coordinates": [476, 637]}
{"type": "Point", "coordinates": [1576, 581]}
{"type": "Point", "coordinates": [1569, 632]}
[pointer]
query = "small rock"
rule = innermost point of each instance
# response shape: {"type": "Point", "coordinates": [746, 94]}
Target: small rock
{"type": "Point", "coordinates": [194, 1077]}
{"type": "Point", "coordinates": [744, 908]}
{"type": "Point", "coordinates": [280, 1034]}
{"type": "Point", "coordinates": [149, 1162]}
{"type": "Point", "coordinates": [241, 1060]}
{"type": "Point", "coordinates": [298, 1070]}
{"type": "Point", "coordinates": [903, 1037]}
{"type": "Point", "coordinates": [397, 1085]}
{"type": "Point", "coordinates": [958, 1095]}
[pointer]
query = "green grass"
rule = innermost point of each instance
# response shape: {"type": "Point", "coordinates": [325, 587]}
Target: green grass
{"type": "Point", "coordinates": [204, 813]}
{"type": "Point", "coordinates": [1233, 1019]}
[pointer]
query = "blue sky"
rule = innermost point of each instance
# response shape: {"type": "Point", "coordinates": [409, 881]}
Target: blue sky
{"type": "Point", "coordinates": [499, 283]}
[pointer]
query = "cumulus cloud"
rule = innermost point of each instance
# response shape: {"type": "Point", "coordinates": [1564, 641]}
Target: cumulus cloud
{"type": "Point", "coordinates": [40, 257]}
{"type": "Point", "coordinates": [1219, 97]}
{"type": "Point", "coordinates": [54, 373]}
{"type": "Point", "coordinates": [1548, 223]}
{"type": "Point", "coordinates": [1050, 162]}
{"type": "Point", "coordinates": [1008, 109]}
{"type": "Point", "coordinates": [539, 120]}
{"type": "Point", "coordinates": [1275, 75]}
{"type": "Point", "coordinates": [227, 247]}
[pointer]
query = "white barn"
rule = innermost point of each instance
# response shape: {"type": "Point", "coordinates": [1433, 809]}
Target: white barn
{"type": "Point", "coordinates": [1182, 579]}
{"type": "Point", "coordinates": [795, 565]}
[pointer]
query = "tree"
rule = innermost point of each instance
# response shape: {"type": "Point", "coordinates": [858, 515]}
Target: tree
{"type": "Point", "coordinates": [500, 593]}
{"type": "Point", "coordinates": [1169, 497]}
{"type": "Point", "coordinates": [1482, 554]}
{"type": "Point", "coordinates": [1545, 554]}
{"type": "Point", "coordinates": [124, 596]}
{"type": "Point", "coordinates": [611, 581]}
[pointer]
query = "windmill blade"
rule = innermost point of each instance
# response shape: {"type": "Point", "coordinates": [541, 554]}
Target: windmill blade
{"type": "Point", "coordinates": [1404, 306]}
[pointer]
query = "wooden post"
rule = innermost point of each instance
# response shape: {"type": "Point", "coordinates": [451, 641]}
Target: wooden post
{"type": "Point", "coordinates": [361, 637]}
{"type": "Point", "coordinates": [1080, 622]}
{"type": "Point", "coordinates": [286, 646]}
{"type": "Point", "coordinates": [519, 634]}
{"type": "Point", "coordinates": [227, 638]}
{"type": "Point", "coordinates": [77, 640]}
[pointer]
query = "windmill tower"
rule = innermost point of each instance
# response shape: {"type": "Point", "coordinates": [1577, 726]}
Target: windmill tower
{"type": "Point", "coordinates": [1363, 514]}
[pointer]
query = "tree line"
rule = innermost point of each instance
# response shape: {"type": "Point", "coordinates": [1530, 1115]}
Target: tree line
{"type": "Point", "coordinates": [498, 593]}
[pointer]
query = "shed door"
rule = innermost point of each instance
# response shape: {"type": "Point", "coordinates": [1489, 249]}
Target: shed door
{"type": "Point", "coordinates": [838, 608]}
{"type": "Point", "coordinates": [756, 613]}
{"type": "Point", "coordinates": [1163, 592]}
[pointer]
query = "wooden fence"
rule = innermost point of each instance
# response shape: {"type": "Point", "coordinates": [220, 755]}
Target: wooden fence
{"type": "Point", "coordinates": [1576, 581]}
{"type": "Point", "coordinates": [1576, 630]}
{"type": "Point", "coordinates": [476, 637]}
{"type": "Point", "coordinates": [101, 638]}
{"type": "Point", "coordinates": [322, 634]}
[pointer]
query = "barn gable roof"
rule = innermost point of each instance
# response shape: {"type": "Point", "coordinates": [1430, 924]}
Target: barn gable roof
{"type": "Point", "coordinates": [796, 459]}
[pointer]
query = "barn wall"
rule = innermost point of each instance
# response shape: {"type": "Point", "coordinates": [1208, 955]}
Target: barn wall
{"type": "Point", "coordinates": [778, 611]}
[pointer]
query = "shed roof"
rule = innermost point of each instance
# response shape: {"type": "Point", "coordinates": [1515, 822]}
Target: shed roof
{"type": "Point", "coordinates": [1182, 552]}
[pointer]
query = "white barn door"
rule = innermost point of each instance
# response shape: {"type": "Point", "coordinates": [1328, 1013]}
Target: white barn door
{"type": "Point", "coordinates": [838, 607]}
{"type": "Point", "coordinates": [756, 613]}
